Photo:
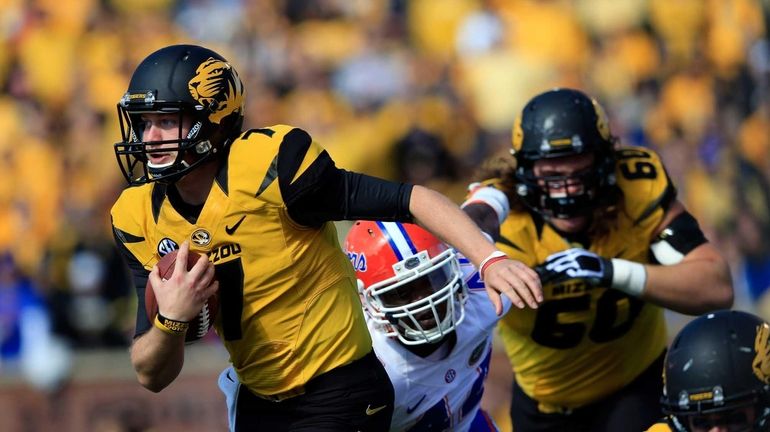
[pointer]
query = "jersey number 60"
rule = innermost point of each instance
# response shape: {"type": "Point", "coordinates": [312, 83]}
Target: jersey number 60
{"type": "Point", "coordinates": [548, 331]}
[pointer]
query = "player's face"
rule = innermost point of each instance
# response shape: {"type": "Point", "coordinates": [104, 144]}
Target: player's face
{"type": "Point", "coordinates": [417, 290]}
{"type": "Point", "coordinates": [737, 420]}
{"type": "Point", "coordinates": [163, 127]}
{"type": "Point", "coordinates": [560, 177]}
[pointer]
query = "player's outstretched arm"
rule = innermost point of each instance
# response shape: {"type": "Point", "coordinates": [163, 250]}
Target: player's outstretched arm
{"type": "Point", "coordinates": [692, 277]}
{"type": "Point", "coordinates": [502, 276]}
{"type": "Point", "coordinates": [700, 283]}
{"type": "Point", "coordinates": [695, 277]}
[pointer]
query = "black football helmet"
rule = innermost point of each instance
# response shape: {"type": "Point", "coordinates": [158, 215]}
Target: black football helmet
{"type": "Point", "coordinates": [717, 363]}
{"type": "Point", "coordinates": [191, 81]}
{"type": "Point", "coordinates": [563, 122]}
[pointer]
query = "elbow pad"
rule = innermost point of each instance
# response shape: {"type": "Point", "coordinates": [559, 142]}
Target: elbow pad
{"type": "Point", "coordinates": [680, 237]}
{"type": "Point", "coordinates": [491, 196]}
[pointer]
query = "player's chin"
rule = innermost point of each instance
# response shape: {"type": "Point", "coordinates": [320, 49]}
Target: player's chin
{"type": "Point", "coordinates": [428, 322]}
{"type": "Point", "coordinates": [573, 224]}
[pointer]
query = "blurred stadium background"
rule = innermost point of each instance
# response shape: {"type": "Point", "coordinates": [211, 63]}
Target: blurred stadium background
{"type": "Point", "coordinates": [415, 90]}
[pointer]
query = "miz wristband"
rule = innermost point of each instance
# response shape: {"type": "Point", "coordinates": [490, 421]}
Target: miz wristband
{"type": "Point", "coordinates": [491, 259]}
{"type": "Point", "coordinates": [628, 276]}
{"type": "Point", "coordinates": [169, 326]}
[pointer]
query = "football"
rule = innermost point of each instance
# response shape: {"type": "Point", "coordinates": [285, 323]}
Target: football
{"type": "Point", "coordinates": [205, 319]}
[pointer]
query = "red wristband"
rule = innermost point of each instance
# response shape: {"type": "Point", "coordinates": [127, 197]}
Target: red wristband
{"type": "Point", "coordinates": [491, 259]}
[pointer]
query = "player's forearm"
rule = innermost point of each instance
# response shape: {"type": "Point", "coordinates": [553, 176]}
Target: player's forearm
{"type": "Point", "coordinates": [445, 219]}
{"type": "Point", "coordinates": [157, 358]}
{"type": "Point", "coordinates": [700, 283]}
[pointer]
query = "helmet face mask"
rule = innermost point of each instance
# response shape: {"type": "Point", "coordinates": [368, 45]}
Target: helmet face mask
{"type": "Point", "coordinates": [736, 419]}
{"type": "Point", "coordinates": [133, 153]}
{"type": "Point", "coordinates": [717, 372]}
{"type": "Point", "coordinates": [418, 304]}
{"type": "Point", "coordinates": [193, 82]}
{"type": "Point", "coordinates": [415, 294]}
{"type": "Point", "coordinates": [563, 124]}
{"type": "Point", "coordinates": [561, 195]}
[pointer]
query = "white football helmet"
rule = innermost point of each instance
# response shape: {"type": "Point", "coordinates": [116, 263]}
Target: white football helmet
{"type": "Point", "coordinates": [410, 282]}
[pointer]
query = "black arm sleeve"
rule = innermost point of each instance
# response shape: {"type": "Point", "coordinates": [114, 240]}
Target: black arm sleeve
{"type": "Point", "coordinates": [683, 233]}
{"type": "Point", "coordinates": [139, 276]}
{"type": "Point", "coordinates": [324, 192]}
{"type": "Point", "coordinates": [345, 195]}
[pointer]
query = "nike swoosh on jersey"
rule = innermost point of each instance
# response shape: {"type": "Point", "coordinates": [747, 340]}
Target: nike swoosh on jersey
{"type": "Point", "coordinates": [231, 231]}
{"type": "Point", "coordinates": [373, 411]}
{"type": "Point", "coordinates": [411, 410]}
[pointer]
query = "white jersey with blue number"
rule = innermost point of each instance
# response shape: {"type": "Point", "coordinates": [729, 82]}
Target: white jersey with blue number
{"type": "Point", "coordinates": [445, 394]}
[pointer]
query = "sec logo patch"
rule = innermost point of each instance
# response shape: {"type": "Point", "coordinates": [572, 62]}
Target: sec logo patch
{"type": "Point", "coordinates": [450, 375]}
{"type": "Point", "coordinates": [166, 245]}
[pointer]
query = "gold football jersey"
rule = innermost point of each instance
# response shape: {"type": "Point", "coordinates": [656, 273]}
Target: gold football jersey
{"type": "Point", "coordinates": [659, 427]}
{"type": "Point", "coordinates": [584, 342]}
{"type": "Point", "coordinates": [289, 307]}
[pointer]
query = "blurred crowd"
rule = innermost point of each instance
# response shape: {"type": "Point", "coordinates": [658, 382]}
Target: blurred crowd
{"type": "Point", "coordinates": [416, 90]}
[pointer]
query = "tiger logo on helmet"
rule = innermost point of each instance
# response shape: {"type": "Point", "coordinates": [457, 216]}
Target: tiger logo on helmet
{"type": "Point", "coordinates": [761, 363]}
{"type": "Point", "coordinates": [216, 86]}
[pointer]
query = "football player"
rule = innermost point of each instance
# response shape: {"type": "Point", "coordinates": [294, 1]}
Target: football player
{"type": "Point", "coordinates": [613, 246]}
{"type": "Point", "coordinates": [717, 375]}
{"type": "Point", "coordinates": [258, 203]}
{"type": "Point", "coordinates": [431, 325]}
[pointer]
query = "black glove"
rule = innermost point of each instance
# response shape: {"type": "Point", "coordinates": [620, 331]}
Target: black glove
{"type": "Point", "coordinates": [576, 263]}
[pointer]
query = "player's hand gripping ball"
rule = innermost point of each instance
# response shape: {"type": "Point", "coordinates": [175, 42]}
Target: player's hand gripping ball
{"type": "Point", "coordinates": [205, 318]}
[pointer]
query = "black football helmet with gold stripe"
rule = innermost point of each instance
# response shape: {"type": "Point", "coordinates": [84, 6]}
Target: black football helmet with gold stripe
{"type": "Point", "coordinates": [716, 366]}
{"type": "Point", "coordinates": [189, 80]}
{"type": "Point", "coordinates": [558, 123]}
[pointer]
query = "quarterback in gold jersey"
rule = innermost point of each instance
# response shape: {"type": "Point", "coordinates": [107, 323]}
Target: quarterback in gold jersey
{"type": "Point", "coordinates": [258, 206]}
{"type": "Point", "coordinates": [613, 247]}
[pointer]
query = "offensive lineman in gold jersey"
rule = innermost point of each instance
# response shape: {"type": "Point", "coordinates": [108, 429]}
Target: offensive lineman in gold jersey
{"type": "Point", "coordinates": [258, 205]}
{"type": "Point", "coordinates": [596, 221]}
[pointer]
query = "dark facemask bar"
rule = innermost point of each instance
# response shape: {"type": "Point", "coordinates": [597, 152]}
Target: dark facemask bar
{"type": "Point", "coordinates": [551, 195]}
{"type": "Point", "coordinates": [725, 416]}
{"type": "Point", "coordinates": [132, 152]}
